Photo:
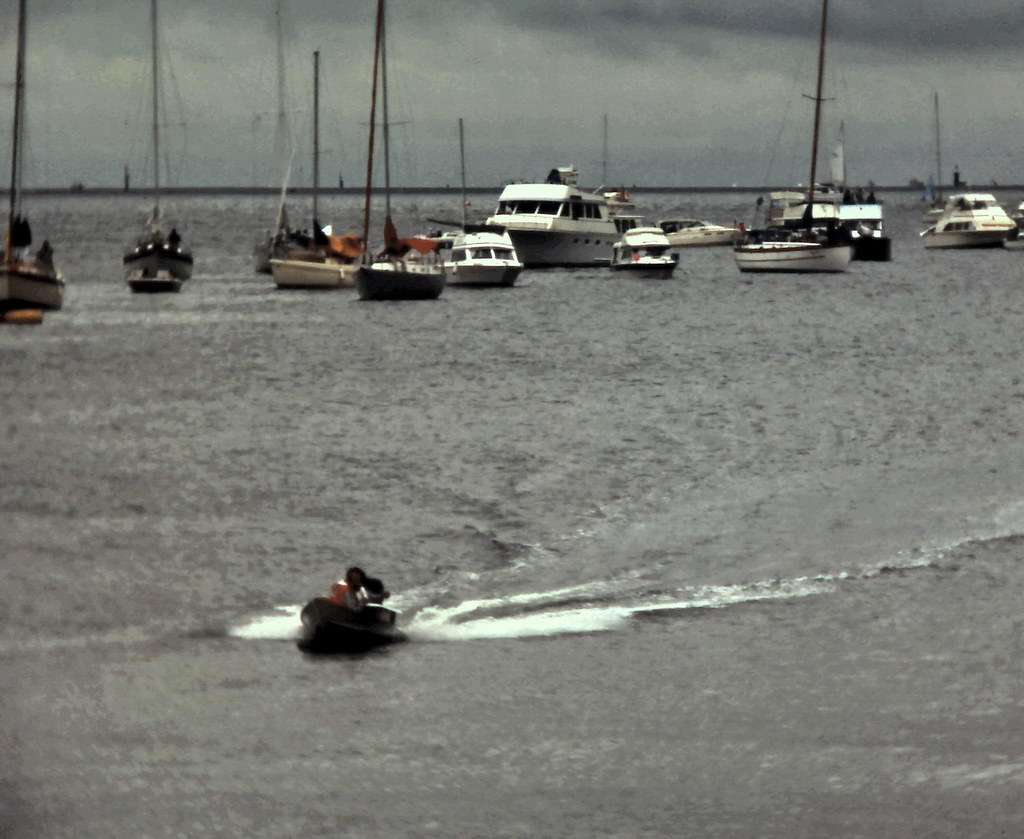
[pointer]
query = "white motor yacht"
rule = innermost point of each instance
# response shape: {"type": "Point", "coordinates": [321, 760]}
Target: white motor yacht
{"type": "Point", "coordinates": [693, 233]}
{"type": "Point", "coordinates": [556, 224]}
{"type": "Point", "coordinates": [970, 220]}
{"type": "Point", "coordinates": [644, 252]}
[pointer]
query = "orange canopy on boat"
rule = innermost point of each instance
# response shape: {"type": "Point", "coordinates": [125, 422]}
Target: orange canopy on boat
{"type": "Point", "coordinates": [348, 245]}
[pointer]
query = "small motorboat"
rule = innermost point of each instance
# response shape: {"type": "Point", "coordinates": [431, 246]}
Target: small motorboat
{"type": "Point", "coordinates": [692, 233]}
{"type": "Point", "coordinates": [329, 627]}
{"type": "Point", "coordinates": [644, 252]}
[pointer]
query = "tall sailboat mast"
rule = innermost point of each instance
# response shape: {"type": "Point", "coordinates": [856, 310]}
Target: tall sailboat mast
{"type": "Point", "coordinates": [938, 150]}
{"type": "Point", "coordinates": [316, 132]}
{"type": "Point", "coordinates": [817, 101]}
{"type": "Point", "coordinates": [156, 110]}
{"type": "Point", "coordinates": [384, 106]}
{"type": "Point", "coordinates": [462, 172]}
{"type": "Point", "coordinates": [18, 128]}
{"type": "Point", "coordinates": [373, 128]}
{"type": "Point", "coordinates": [282, 142]}
{"type": "Point", "coordinates": [604, 153]}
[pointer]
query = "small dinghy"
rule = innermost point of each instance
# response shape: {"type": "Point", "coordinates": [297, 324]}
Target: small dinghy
{"type": "Point", "coordinates": [332, 628]}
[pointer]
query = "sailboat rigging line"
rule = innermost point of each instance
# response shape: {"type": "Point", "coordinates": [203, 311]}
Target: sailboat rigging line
{"type": "Point", "coordinates": [373, 127]}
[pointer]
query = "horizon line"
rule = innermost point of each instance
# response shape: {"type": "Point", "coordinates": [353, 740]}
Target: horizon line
{"type": "Point", "coordinates": [79, 189]}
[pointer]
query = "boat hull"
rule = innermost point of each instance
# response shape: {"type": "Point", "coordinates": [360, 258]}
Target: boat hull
{"type": "Point", "coordinates": [872, 249]}
{"type": "Point", "coordinates": [653, 271]}
{"type": "Point", "coordinates": [153, 269]}
{"type": "Point", "coordinates": [482, 275]}
{"type": "Point", "coordinates": [563, 249]}
{"type": "Point", "coordinates": [399, 281]}
{"type": "Point", "coordinates": [792, 257]}
{"type": "Point", "coordinates": [298, 273]}
{"type": "Point", "coordinates": [28, 287]}
{"type": "Point", "coordinates": [702, 238]}
{"type": "Point", "coordinates": [965, 239]}
{"type": "Point", "coordinates": [330, 628]}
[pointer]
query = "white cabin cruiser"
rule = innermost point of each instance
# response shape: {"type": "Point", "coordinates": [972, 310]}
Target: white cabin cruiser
{"type": "Point", "coordinates": [556, 224]}
{"type": "Point", "coordinates": [970, 220]}
{"type": "Point", "coordinates": [485, 258]}
{"type": "Point", "coordinates": [644, 252]}
{"type": "Point", "coordinates": [692, 233]}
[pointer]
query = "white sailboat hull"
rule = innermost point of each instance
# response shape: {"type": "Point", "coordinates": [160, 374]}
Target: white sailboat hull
{"type": "Point", "coordinates": [298, 273]}
{"type": "Point", "coordinates": [793, 257]}
{"type": "Point", "coordinates": [26, 286]}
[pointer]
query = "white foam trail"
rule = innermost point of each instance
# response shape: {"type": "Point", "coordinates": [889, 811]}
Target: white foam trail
{"type": "Point", "coordinates": [443, 624]}
{"type": "Point", "coordinates": [567, 622]}
{"type": "Point", "coordinates": [283, 625]}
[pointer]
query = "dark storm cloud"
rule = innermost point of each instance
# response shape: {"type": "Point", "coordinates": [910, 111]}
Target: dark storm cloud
{"type": "Point", "coordinates": [911, 25]}
{"type": "Point", "coordinates": [915, 26]}
{"type": "Point", "coordinates": [696, 91]}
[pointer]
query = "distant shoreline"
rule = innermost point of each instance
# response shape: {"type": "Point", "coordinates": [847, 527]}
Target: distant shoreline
{"type": "Point", "coordinates": [447, 189]}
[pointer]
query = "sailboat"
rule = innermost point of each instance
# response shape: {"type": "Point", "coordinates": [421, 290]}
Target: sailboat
{"type": "Point", "coordinates": [157, 263]}
{"type": "Point", "coordinates": [277, 244]}
{"type": "Point", "coordinates": [323, 260]}
{"type": "Point", "coordinates": [27, 280]}
{"type": "Point", "coordinates": [818, 244]}
{"type": "Point", "coordinates": [406, 269]}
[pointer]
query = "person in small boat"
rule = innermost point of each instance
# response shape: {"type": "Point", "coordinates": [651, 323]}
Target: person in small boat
{"type": "Point", "coordinates": [174, 238]}
{"type": "Point", "coordinates": [44, 256]}
{"type": "Point", "coordinates": [351, 592]}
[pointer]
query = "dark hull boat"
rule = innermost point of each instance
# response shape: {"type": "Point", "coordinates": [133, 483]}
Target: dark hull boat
{"type": "Point", "coordinates": [330, 628]}
{"type": "Point", "coordinates": [155, 266]}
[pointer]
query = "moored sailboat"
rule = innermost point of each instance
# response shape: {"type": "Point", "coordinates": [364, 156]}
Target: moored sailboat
{"type": "Point", "coordinates": [321, 260]}
{"type": "Point", "coordinates": [810, 246]}
{"type": "Point", "coordinates": [27, 280]}
{"type": "Point", "coordinates": [157, 262]}
{"type": "Point", "coordinates": [277, 244]}
{"type": "Point", "coordinates": [409, 268]}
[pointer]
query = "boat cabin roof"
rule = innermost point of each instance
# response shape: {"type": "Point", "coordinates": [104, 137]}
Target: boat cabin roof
{"type": "Point", "coordinates": [645, 237]}
{"type": "Point", "coordinates": [860, 212]}
{"type": "Point", "coordinates": [972, 198]}
{"type": "Point", "coordinates": [546, 192]}
{"type": "Point", "coordinates": [484, 238]}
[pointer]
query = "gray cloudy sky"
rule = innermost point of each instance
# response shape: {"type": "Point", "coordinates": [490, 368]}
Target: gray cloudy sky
{"type": "Point", "coordinates": [697, 92]}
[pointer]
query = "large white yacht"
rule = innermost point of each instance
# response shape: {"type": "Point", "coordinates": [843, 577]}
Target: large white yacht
{"type": "Point", "coordinates": [969, 220]}
{"type": "Point", "coordinates": [556, 224]}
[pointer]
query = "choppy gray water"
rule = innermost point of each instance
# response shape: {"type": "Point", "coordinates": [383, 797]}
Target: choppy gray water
{"type": "Point", "coordinates": [725, 555]}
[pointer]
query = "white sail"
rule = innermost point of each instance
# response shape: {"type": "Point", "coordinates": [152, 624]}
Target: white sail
{"type": "Point", "coordinates": [837, 166]}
